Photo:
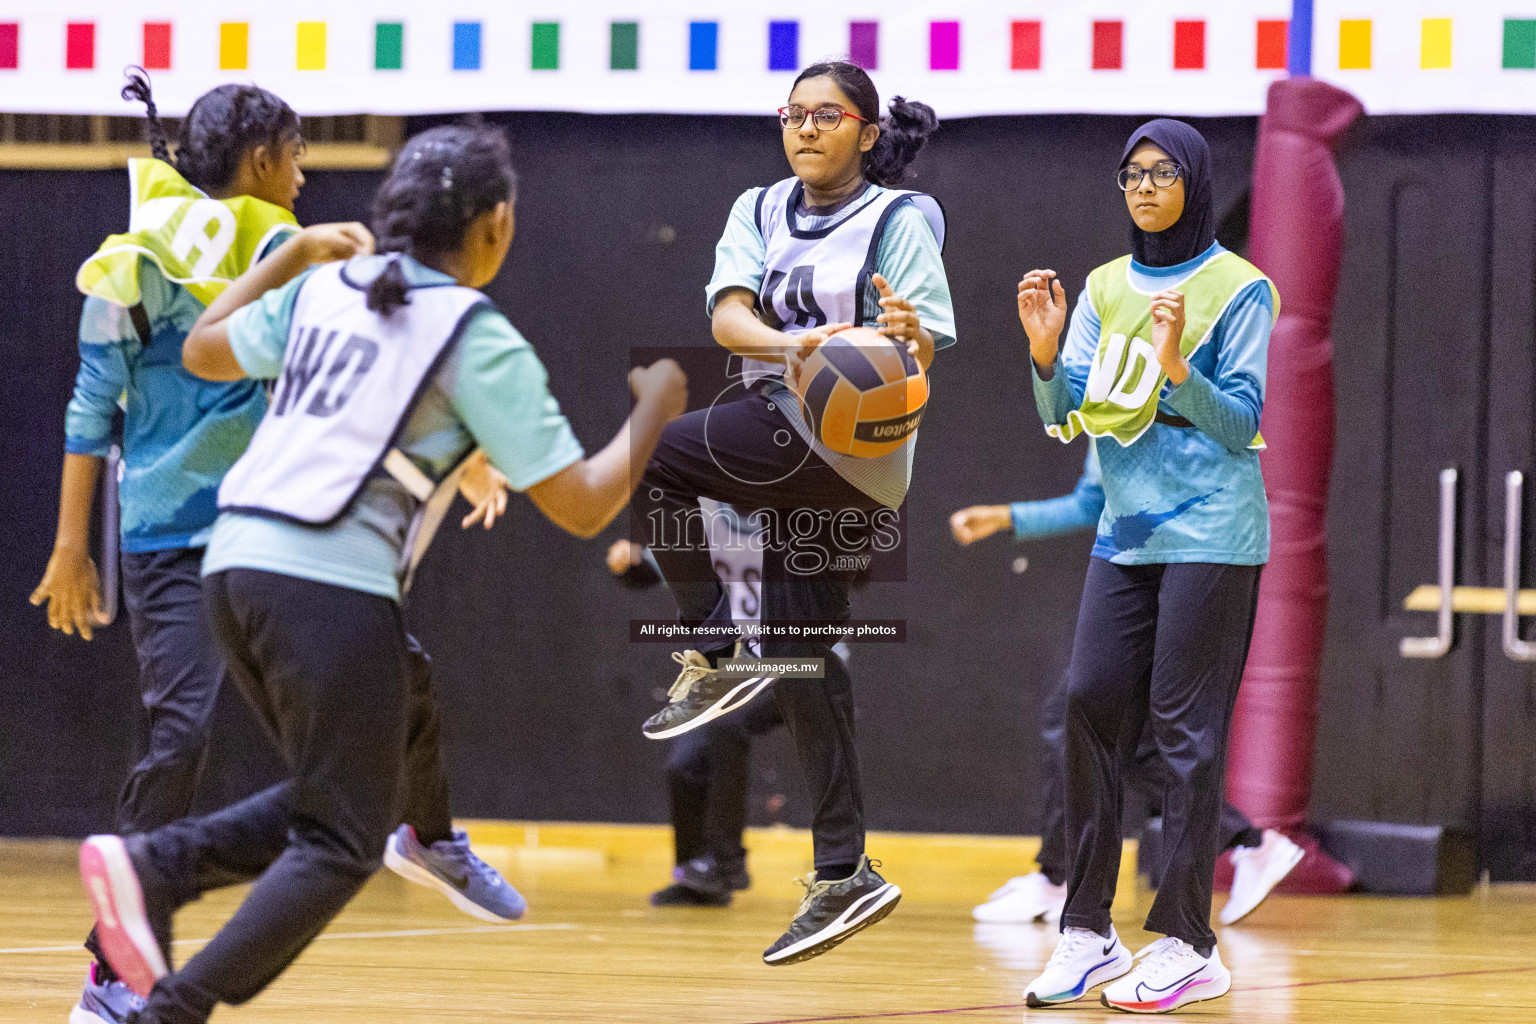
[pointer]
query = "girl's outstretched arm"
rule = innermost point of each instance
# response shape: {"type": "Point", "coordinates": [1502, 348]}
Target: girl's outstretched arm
{"type": "Point", "coordinates": [206, 352]}
{"type": "Point", "coordinates": [585, 497]}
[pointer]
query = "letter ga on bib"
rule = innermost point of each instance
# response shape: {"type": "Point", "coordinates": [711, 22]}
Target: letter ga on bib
{"type": "Point", "coordinates": [1125, 379]}
{"type": "Point", "coordinates": [197, 242]}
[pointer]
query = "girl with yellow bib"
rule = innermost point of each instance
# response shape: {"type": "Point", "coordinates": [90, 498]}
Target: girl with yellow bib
{"type": "Point", "coordinates": [1163, 367]}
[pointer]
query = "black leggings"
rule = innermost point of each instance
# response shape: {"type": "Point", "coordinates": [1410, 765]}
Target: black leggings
{"type": "Point", "coordinates": [708, 775]}
{"type": "Point", "coordinates": [1145, 773]}
{"type": "Point", "coordinates": [326, 671]}
{"type": "Point", "coordinates": [745, 453]}
{"type": "Point", "coordinates": [1165, 641]}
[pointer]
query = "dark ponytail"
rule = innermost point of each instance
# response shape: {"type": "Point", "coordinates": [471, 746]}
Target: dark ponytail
{"type": "Point", "coordinates": [442, 180]}
{"type": "Point", "coordinates": [137, 91]}
{"type": "Point", "coordinates": [902, 134]}
{"type": "Point", "coordinates": [389, 291]}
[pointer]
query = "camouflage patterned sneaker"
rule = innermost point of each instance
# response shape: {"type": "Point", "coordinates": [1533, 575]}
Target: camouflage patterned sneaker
{"type": "Point", "coordinates": [699, 695]}
{"type": "Point", "coordinates": [832, 912]}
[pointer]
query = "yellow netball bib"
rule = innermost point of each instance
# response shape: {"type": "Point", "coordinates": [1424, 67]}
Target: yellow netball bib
{"type": "Point", "coordinates": [1125, 379]}
{"type": "Point", "coordinates": [197, 242]}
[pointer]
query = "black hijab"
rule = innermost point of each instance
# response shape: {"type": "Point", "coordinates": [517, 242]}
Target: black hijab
{"type": "Point", "coordinates": [1195, 230]}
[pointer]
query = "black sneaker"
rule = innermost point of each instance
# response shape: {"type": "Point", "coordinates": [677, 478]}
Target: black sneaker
{"type": "Point", "coordinates": [698, 883]}
{"type": "Point", "coordinates": [833, 911]}
{"type": "Point", "coordinates": [735, 875]}
{"type": "Point", "coordinates": [699, 696]}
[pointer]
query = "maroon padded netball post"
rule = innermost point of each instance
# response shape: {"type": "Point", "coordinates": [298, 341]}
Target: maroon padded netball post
{"type": "Point", "coordinates": [1297, 239]}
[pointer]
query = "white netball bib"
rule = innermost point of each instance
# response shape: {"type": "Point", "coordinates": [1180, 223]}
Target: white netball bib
{"type": "Point", "coordinates": [350, 378]}
{"type": "Point", "coordinates": [813, 277]}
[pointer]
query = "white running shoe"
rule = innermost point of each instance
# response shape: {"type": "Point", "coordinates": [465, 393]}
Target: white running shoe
{"type": "Point", "coordinates": [1256, 872]}
{"type": "Point", "coordinates": [1026, 899]}
{"type": "Point", "coordinates": [1083, 959]}
{"type": "Point", "coordinates": [1169, 974]}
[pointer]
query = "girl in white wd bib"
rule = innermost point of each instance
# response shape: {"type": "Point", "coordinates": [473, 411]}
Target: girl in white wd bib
{"type": "Point", "coordinates": [388, 370]}
{"type": "Point", "coordinates": [834, 246]}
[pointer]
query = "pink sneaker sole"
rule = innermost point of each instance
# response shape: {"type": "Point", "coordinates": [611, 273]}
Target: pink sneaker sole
{"type": "Point", "coordinates": [121, 925]}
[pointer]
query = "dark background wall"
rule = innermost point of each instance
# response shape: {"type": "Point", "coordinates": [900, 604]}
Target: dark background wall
{"type": "Point", "coordinates": [543, 696]}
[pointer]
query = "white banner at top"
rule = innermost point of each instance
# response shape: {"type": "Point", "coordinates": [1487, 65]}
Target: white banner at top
{"type": "Point", "coordinates": [964, 57]}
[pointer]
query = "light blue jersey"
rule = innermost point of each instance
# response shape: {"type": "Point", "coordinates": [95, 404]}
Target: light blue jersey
{"type": "Point", "coordinates": [181, 434]}
{"type": "Point", "coordinates": [491, 390]}
{"type": "Point", "coordinates": [1049, 517]}
{"type": "Point", "coordinates": [1180, 494]}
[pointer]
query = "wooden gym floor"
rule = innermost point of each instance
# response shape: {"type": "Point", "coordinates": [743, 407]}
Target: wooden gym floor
{"type": "Point", "coordinates": [592, 949]}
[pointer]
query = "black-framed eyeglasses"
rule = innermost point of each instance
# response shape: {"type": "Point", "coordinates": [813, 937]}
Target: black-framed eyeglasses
{"type": "Point", "coordinates": [826, 119]}
{"type": "Point", "coordinates": [1164, 174]}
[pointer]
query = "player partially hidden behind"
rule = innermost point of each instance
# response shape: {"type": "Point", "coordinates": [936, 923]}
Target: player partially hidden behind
{"type": "Point", "coordinates": [395, 360]}
{"type": "Point", "coordinates": [1164, 365]}
{"type": "Point", "coordinates": [709, 768]}
{"type": "Point", "coordinates": [1261, 860]}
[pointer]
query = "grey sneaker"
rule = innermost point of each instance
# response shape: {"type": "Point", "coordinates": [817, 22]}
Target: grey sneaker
{"type": "Point", "coordinates": [104, 1002]}
{"type": "Point", "coordinates": [833, 912]}
{"type": "Point", "coordinates": [451, 867]}
{"type": "Point", "coordinates": [699, 696]}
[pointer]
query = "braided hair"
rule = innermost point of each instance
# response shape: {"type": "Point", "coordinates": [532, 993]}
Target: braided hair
{"type": "Point", "coordinates": [137, 90]}
{"type": "Point", "coordinates": [217, 132]}
{"type": "Point", "coordinates": [442, 180]}
{"type": "Point", "coordinates": [902, 133]}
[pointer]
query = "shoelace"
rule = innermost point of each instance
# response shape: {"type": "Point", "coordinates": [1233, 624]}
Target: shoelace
{"type": "Point", "coordinates": [462, 854]}
{"type": "Point", "coordinates": [136, 1002]}
{"type": "Point", "coordinates": [814, 887]}
{"type": "Point", "coordinates": [1073, 942]}
{"type": "Point", "coordinates": [692, 674]}
{"type": "Point", "coordinates": [1161, 952]}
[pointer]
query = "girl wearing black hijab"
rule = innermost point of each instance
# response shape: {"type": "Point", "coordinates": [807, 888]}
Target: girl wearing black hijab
{"type": "Point", "coordinates": [1163, 367]}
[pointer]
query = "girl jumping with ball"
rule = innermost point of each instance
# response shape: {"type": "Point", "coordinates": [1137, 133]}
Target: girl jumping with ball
{"type": "Point", "coordinates": [1164, 368]}
{"type": "Point", "coordinates": [834, 245]}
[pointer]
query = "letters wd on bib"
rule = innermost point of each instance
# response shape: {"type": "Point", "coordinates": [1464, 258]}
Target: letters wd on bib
{"type": "Point", "coordinates": [349, 380]}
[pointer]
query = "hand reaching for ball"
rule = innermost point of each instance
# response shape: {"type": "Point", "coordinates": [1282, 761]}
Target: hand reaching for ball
{"type": "Point", "coordinates": [808, 341]}
{"type": "Point", "coordinates": [898, 317]}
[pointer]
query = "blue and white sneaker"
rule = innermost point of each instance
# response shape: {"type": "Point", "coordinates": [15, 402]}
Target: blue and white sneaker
{"type": "Point", "coordinates": [1083, 960]}
{"type": "Point", "coordinates": [451, 867]}
{"type": "Point", "coordinates": [108, 1003]}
